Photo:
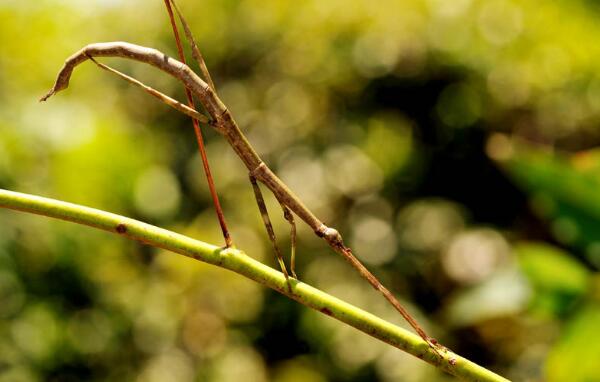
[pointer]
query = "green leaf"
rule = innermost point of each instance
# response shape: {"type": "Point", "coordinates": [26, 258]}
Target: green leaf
{"type": "Point", "coordinates": [563, 190]}
{"type": "Point", "coordinates": [575, 356]}
{"type": "Point", "coordinates": [557, 278]}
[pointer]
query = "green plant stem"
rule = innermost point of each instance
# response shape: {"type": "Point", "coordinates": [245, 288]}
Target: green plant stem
{"type": "Point", "coordinates": [237, 261]}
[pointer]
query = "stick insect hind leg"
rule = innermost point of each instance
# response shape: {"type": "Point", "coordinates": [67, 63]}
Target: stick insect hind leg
{"type": "Point", "coordinates": [260, 201]}
{"type": "Point", "coordinates": [289, 216]}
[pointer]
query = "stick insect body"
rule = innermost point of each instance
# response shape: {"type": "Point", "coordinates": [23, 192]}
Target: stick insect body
{"type": "Point", "coordinates": [222, 120]}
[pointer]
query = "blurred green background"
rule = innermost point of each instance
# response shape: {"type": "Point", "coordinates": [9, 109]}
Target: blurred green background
{"type": "Point", "coordinates": [451, 142]}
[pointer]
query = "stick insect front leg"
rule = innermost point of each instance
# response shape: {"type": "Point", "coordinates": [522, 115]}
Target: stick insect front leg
{"type": "Point", "coordinates": [198, 131]}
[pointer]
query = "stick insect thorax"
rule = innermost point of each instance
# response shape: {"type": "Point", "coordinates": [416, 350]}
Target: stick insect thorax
{"type": "Point", "coordinates": [223, 122]}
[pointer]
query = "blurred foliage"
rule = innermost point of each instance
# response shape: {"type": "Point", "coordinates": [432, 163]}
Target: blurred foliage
{"type": "Point", "coordinates": [456, 137]}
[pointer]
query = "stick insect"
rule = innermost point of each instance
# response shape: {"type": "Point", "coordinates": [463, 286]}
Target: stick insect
{"type": "Point", "coordinates": [221, 119]}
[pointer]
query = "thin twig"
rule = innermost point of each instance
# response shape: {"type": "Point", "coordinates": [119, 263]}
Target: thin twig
{"type": "Point", "coordinates": [237, 261]}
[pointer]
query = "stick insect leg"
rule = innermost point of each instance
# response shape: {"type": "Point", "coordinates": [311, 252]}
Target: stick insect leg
{"type": "Point", "coordinates": [267, 221]}
{"type": "Point", "coordinates": [155, 93]}
{"type": "Point", "coordinates": [200, 139]}
{"type": "Point", "coordinates": [287, 214]}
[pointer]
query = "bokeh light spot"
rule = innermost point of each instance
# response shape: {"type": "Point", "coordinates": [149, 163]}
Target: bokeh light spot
{"type": "Point", "coordinates": [157, 193]}
{"type": "Point", "coordinates": [475, 254]}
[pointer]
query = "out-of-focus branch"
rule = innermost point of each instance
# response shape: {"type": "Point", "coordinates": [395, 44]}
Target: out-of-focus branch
{"type": "Point", "coordinates": [237, 261]}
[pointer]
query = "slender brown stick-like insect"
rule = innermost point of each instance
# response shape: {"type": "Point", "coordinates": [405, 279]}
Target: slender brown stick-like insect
{"type": "Point", "coordinates": [222, 121]}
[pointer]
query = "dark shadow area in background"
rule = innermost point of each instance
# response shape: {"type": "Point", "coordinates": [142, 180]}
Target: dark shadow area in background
{"type": "Point", "coordinates": [456, 166]}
